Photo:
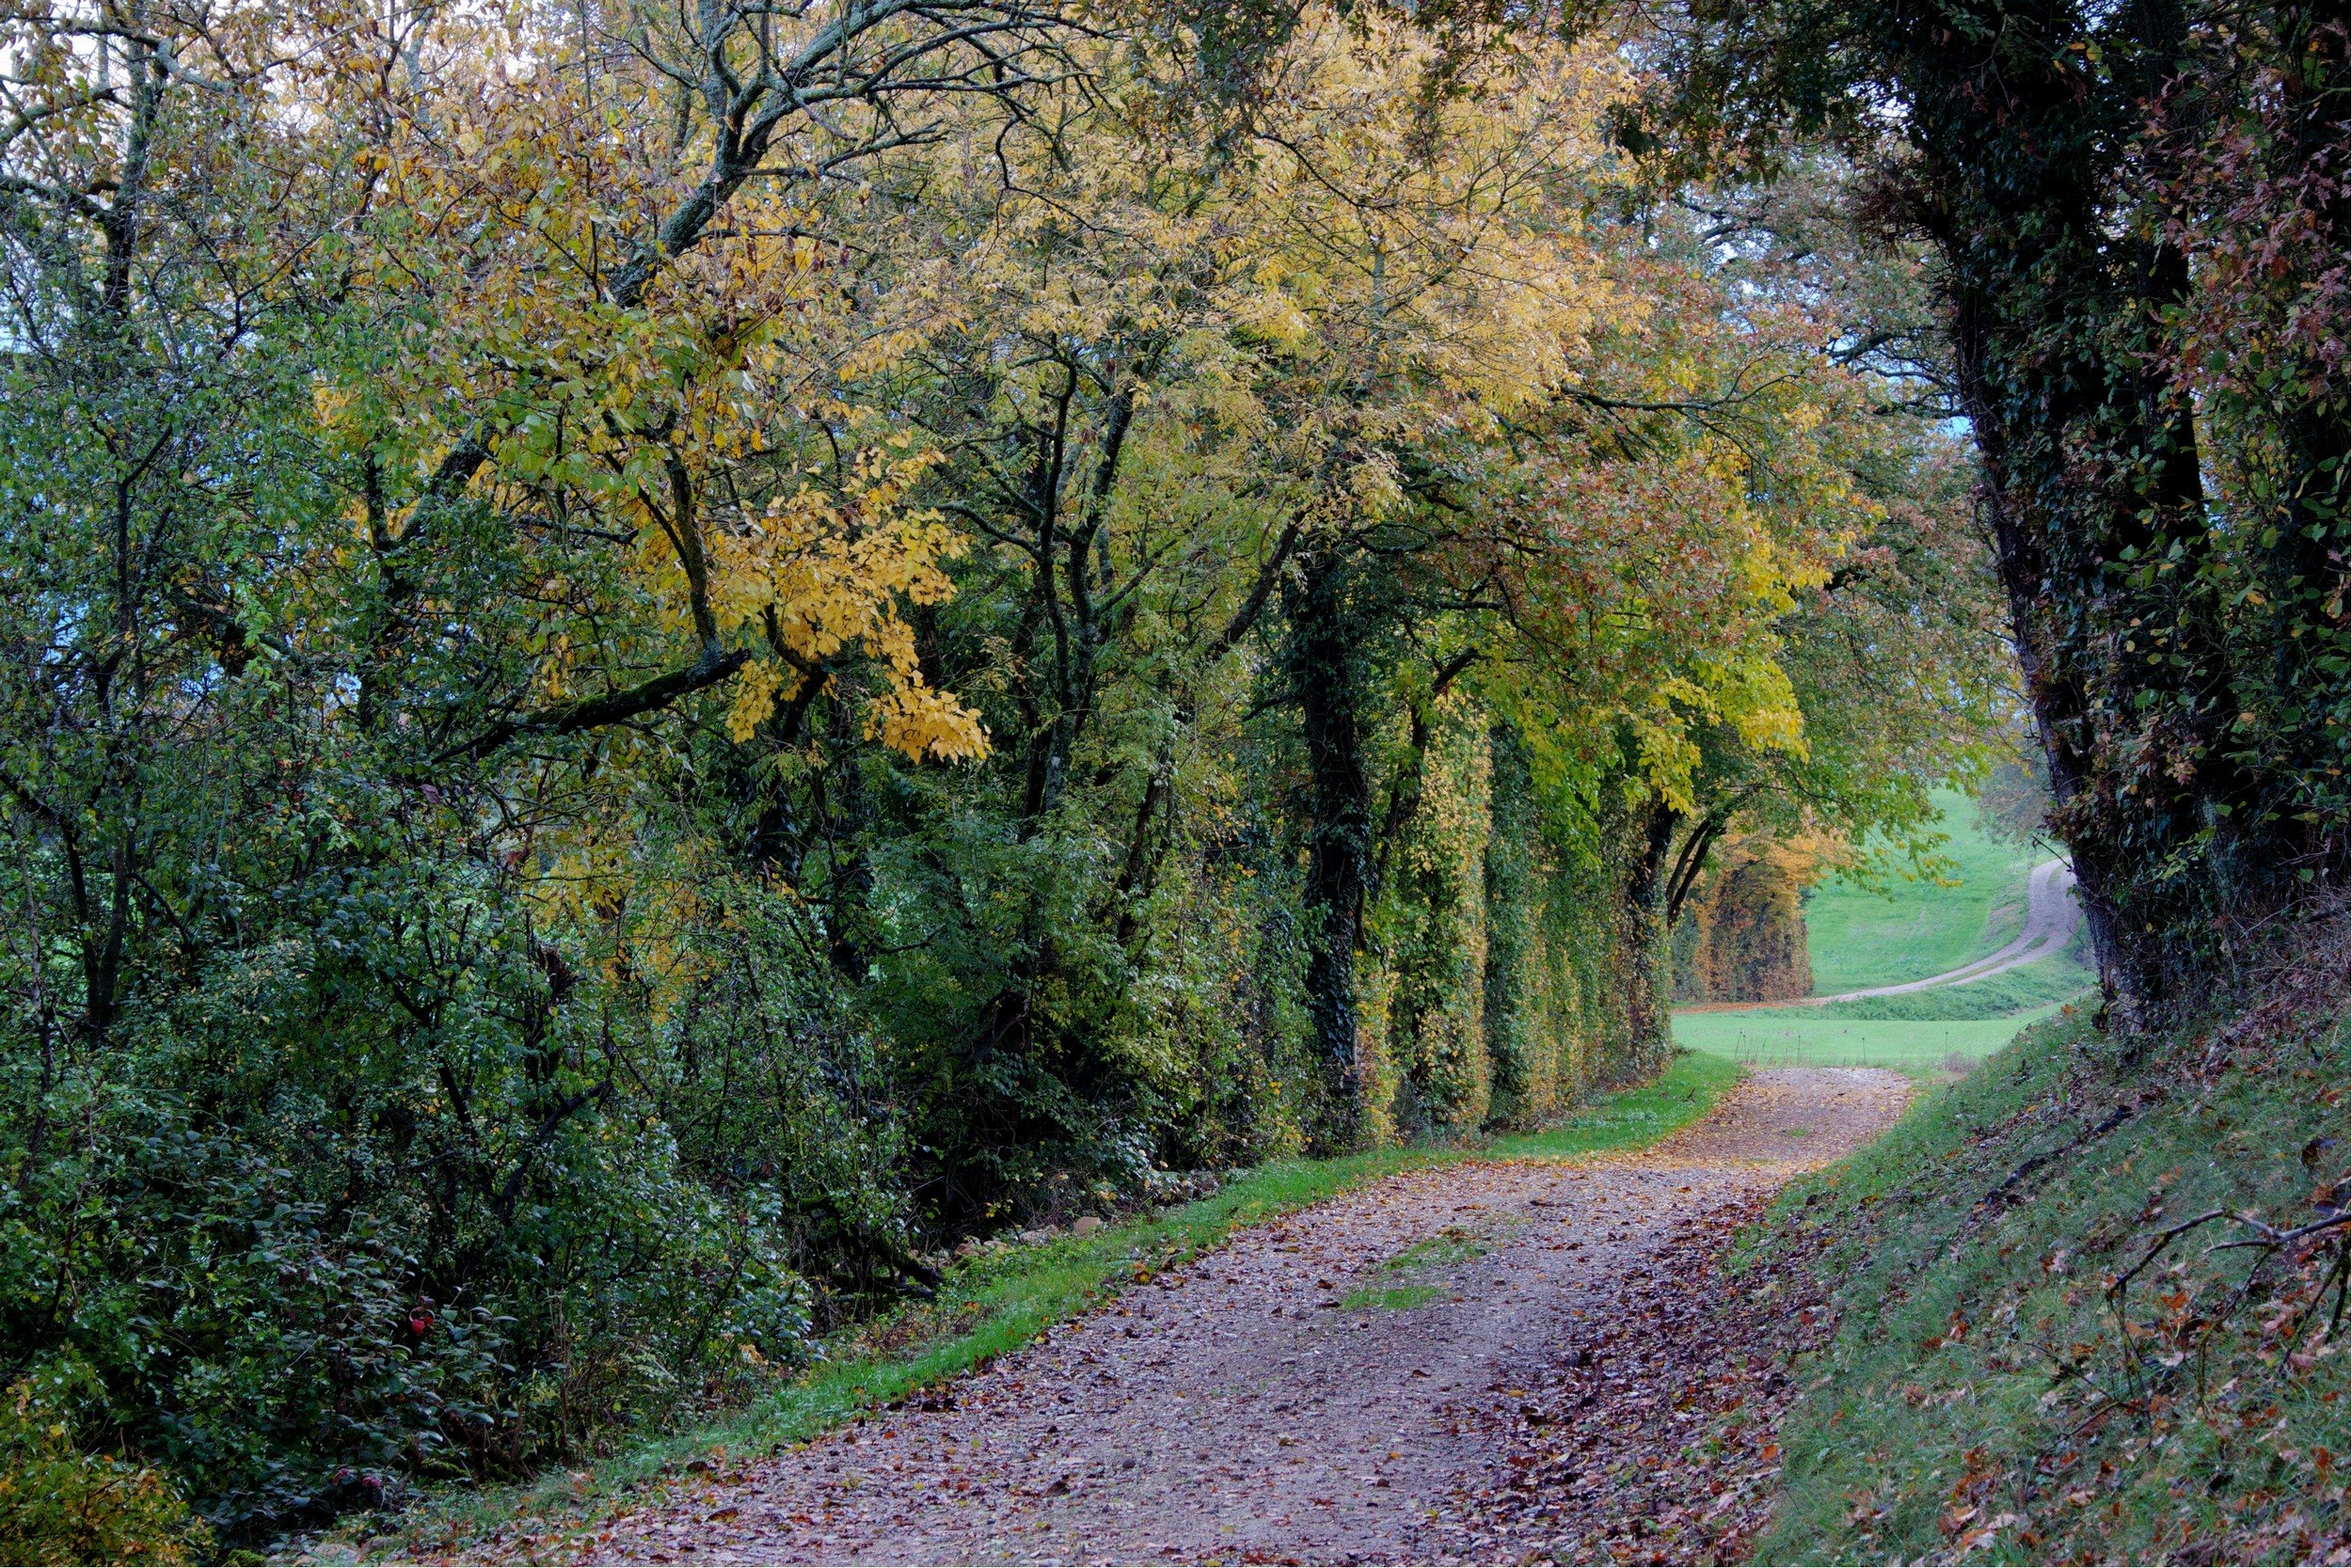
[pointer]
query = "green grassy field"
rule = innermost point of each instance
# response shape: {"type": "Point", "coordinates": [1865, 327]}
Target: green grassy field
{"type": "Point", "coordinates": [1783, 1037]}
{"type": "Point", "coordinates": [2022, 989]}
{"type": "Point", "coordinates": [1915, 927]}
{"type": "Point", "coordinates": [1859, 937]}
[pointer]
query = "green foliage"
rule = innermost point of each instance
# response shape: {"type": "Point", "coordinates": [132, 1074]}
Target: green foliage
{"type": "Point", "coordinates": [567, 825]}
{"type": "Point", "coordinates": [1997, 1388]}
{"type": "Point", "coordinates": [60, 1505]}
{"type": "Point", "coordinates": [1523, 1070]}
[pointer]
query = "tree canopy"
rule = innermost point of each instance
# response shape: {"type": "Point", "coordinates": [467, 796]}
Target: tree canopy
{"type": "Point", "coordinates": [655, 659]}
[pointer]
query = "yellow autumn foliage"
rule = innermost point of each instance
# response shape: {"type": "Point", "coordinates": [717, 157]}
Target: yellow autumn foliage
{"type": "Point", "coordinates": [59, 1504]}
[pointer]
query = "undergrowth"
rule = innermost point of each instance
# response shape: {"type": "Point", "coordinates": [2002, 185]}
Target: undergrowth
{"type": "Point", "coordinates": [2068, 1329]}
{"type": "Point", "coordinates": [59, 1504]}
{"type": "Point", "coordinates": [995, 1304]}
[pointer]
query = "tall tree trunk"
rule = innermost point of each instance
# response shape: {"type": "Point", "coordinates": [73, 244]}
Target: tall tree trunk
{"type": "Point", "coordinates": [2055, 691]}
{"type": "Point", "coordinates": [2094, 486]}
{"type": "Point", "coordinates": [1326, 674]}
{"type": "Point", "coordinates": [1523, 1087]}
{"type": "Point", "coordinates": [1647, 1016]}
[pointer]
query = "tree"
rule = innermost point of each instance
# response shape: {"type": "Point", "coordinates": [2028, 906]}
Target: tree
{"type": "Point", "coordinates": [658, 663]}
{"type": "Point", "coordinates": [330, 985]}
{"type": "Point", "coordinates": [2016, 139]}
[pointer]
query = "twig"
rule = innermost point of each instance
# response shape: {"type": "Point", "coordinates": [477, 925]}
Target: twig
{"type": "Point", "coordinates": [2270, 1238]}
{"type": "Point", "coordinates": [2112, 1404]}
{"type": "Point", "coordinates": [2340, 1276]}
{"type": "Point", "coordinates": [2113, 1119]}
{"type": "Point", "coordinates": [2163, 1239]}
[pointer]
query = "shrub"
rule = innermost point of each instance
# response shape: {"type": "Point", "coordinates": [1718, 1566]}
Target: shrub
{"type": "Point", "coordinates": [58, 1504]}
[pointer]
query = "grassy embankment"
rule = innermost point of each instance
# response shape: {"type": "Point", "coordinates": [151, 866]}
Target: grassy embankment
{"type": "Point", "coordinates": [1860, 937]}
{"type": "Point", "coordinates": [1000, 1301]}
{"type": "Point", "coordinates": [1992, 1392]}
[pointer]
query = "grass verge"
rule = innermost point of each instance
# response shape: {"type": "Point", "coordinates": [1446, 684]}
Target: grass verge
{"type": "Point", "coordinates": [997, 1302]}
{"type": "Point", "coordinates": [1814, 1037]}
{"type": "Point", "coordinates": [1400, 1298]}
{"type": "Point", "coordinates": [2002, 1386]}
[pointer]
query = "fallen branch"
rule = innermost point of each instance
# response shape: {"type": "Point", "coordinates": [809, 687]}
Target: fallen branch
{"type": "Point", "coordinates": [2270, 1238]}
{"type": "Point", "coordinates": [2115, 1118]}
{"type": "Point", "coordinates": [2164, 1239]}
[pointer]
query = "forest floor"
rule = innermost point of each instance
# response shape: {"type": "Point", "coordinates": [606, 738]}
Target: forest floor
{"type": "Point", "coordinates": [1346, 1383]}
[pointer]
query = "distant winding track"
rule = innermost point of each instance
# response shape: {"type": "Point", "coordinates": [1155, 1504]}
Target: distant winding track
{"type": "Point", "coordinates": [2051, 917]}
{"type": "Point", "coordinates": [2050, 921]}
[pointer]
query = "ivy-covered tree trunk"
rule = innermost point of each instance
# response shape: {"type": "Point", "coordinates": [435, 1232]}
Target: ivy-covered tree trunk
{"type": "Point", "coordinates": [1523, 1085]}
{"type": "Point", "coordinates": [1648, 963]}
{"type": "Point", "coordinates": [1430, 929]}
{"type": "Point", "coordinates": [2095, 494]}
{"type": "Point", "coordinates": [1325, 672]}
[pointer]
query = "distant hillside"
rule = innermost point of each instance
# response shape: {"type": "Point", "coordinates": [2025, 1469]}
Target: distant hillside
{"type": "Point", "coordinates": [1908, 929]}
{"type": "Point", "coordinates": [1860, 937]}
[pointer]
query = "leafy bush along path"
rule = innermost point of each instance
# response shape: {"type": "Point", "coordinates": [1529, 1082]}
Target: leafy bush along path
{"type": "Point", "coordinates": [1300, 1392]}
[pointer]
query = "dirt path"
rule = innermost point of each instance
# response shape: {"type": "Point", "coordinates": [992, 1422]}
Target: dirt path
{"type": "Point", "coordinates": [1303, 1393]}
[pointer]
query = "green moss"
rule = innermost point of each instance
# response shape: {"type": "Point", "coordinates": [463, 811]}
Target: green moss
{"type": "Point", "coordinates": [1394, 1298]}
{"type": "Point", "coordinates": [1982, 1377]}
